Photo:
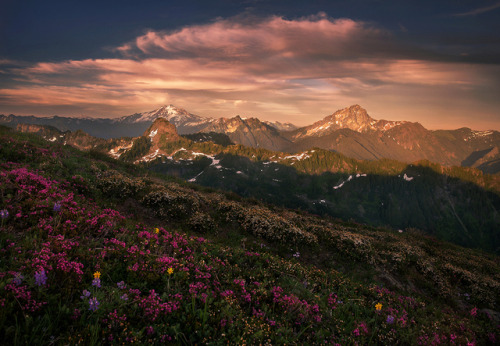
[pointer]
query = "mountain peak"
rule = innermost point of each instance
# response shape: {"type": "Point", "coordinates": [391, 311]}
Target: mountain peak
{"type": "Point", "coordinates": [168, 112]}
{"type": "Point", "coordinates": [354, 117]}
{"type": "Point", "coordinates": [170, 108]}
{"type": "Point", "coordinates": [184, 121]}
{"type": "Point", "coordinates": [160, 127]}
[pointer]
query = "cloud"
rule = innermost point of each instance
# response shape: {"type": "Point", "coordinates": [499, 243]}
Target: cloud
{"type": "Point", "coordinates": [478, 10]}
{"type": "Point", "coordinates": [244, 39]}
{"type": "Point", "coordinates": [276, 68]}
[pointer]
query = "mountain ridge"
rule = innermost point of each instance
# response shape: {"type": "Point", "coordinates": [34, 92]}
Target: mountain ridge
{"type": "Point", "coordinates": [351, 131]}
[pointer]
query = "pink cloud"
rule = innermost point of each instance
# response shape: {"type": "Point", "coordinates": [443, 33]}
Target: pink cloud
{"type": "Point", "coordinates": [275, 36]}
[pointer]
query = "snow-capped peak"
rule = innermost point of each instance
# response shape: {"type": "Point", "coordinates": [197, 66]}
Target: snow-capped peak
{"type": "Point", "coordinates": [171, 113]}
{"type": "Point", "coordinates": [184, 121]}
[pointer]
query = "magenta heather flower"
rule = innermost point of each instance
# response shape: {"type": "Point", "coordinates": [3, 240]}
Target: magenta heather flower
{"type": "Point", "coordinates": [258, 313]}
{"type": "Point", "coordinates": [360, 329]}
{"type": "Point", "coordinates": [76, 314]}
{"type": "Point", "coordinates": [332, 300]}
{"type": "Point", "coordinates": [473, 312]}
{"type": "Point", "coordinates": [93, 304]}
{"type": "Point", "coordinates": [41, 278]}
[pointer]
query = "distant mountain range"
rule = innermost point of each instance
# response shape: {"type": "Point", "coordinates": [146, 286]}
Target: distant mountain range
{"type": "Point", "coordinates": [350, 131]}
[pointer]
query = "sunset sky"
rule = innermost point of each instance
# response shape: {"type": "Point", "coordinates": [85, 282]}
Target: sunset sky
{"type": "Point", "coordinates": [435, 62]}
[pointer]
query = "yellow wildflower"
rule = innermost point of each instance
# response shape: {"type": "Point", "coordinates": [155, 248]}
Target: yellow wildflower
{"type": "Point", "coordinates": [157, 230]}
{"type": "Point", "coordinates": [378, 306]}
{"type": "Point", "coordinates": [97, 275]}
{"type": "Point", "coordinates": [170, 271]}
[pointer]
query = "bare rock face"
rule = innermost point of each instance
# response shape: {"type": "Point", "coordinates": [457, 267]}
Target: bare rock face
{"type": "Point", "coordinates": [43, 130]}
{"type": "Point", "coordinates": [162, 128]}
{"type": "Point", "coordinates": [354, 118]}
{"type": "Point", "coordinates": [250, 132]}
{"type": "Point", "coordinates": [282, 127]}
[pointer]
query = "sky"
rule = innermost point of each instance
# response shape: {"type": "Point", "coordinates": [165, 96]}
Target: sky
{"type": "Point", "coordinates": [435, 62]}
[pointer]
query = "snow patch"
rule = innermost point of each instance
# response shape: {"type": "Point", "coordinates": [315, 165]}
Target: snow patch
{"type": "Point", "coordinates": [192, 180]}
{"type": "Point", "coordinates": [302, 156]}
{"type": "Point", "coordinates": [150, 157]}
{"type": "Point", "coordinates": [407, 178]}
{"type": "Point", "coordinates": [476, 134]}
{"type": "Point", "coordinates": [198, 154]}
{"type": "Point", "coordinates": [321, 128]}
{"type": "Point", "coordinates": [113, 153]}
{"type": "Point", "coordinates": [339, 186]}
{"type": "Point", "coordinates": [348, 179]}
{"type": "Point", "coordinates": [153, 133]}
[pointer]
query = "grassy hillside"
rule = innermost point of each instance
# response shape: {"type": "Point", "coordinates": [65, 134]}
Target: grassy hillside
{"type": "Point", "coordinates": [97, 251]}
{"type": "Point", "coordinates": [453, 203]}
